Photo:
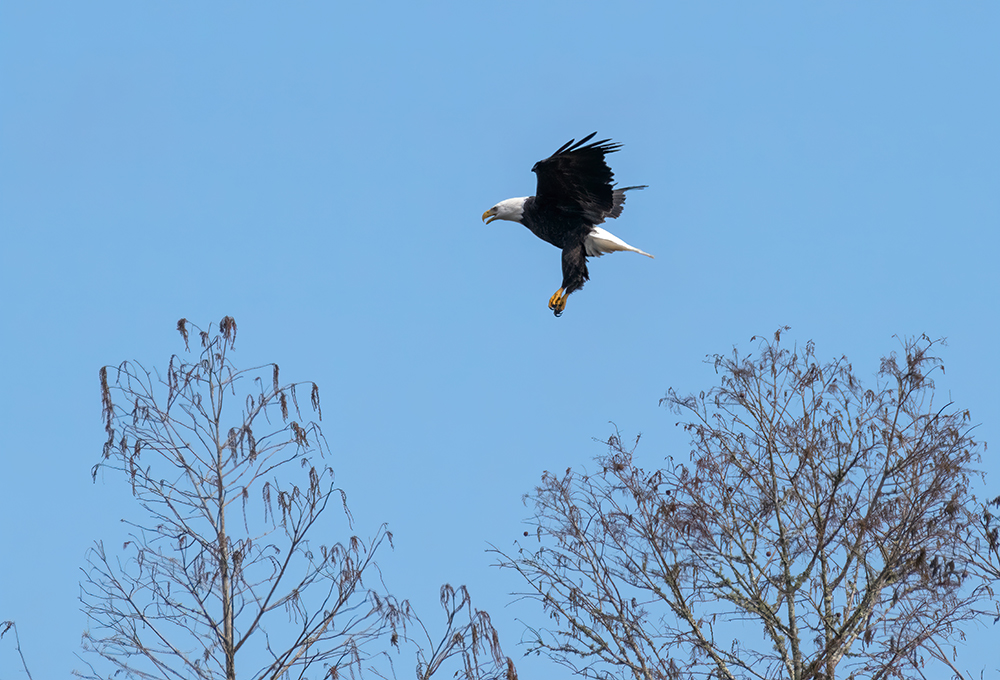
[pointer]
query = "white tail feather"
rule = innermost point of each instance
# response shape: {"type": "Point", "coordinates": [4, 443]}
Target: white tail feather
{"type": "Point", "coordinates": [601, 241]}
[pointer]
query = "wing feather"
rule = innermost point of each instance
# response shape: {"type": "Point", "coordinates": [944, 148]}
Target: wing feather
{"type": "Point", "coordinates": [576, 180]}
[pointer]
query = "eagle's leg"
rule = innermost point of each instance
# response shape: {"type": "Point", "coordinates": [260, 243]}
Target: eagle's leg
{"type": "Point", "coordinates": [574, 267]}
{"type": "Point", "coordinates": [557, 303]}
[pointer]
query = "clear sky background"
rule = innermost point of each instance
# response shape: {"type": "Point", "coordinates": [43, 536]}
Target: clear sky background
{"type": "Point", "coordinates": [318, 171]}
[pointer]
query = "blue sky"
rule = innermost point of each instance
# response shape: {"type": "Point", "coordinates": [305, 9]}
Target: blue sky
{"type": "Point", "coordinates": [318, 171]}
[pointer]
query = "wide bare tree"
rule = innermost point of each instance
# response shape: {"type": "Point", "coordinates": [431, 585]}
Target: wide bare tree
{"type": "Point", "coordinates": [820, 529]}
{"type": "Point", "coordinates": [223, 570]}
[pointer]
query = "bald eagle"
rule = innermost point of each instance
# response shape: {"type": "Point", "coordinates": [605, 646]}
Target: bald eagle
{"type": "Point", "coordinates": [574, 195]}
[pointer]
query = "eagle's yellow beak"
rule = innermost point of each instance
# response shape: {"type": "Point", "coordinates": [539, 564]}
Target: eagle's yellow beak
{"type": "Point", "coordinates": [491, 214]}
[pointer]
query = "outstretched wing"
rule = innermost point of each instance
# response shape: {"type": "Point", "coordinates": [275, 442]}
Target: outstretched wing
{"type": "Point", "coordinates": [576, 180]}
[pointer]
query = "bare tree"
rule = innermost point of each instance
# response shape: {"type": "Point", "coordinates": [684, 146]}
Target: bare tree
{"type": "Point", "coordinates": [989, 544]}
{"type": "Point", "coordinates": [231, 479]}
{"type": "Point", "coordinates": [820, 530]}
{"type": "Point", "coordinates": [10, 625]}
{"type": "Point", "coordinates": [469, 635]}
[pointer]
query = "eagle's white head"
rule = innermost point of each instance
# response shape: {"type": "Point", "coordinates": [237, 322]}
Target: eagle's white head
{"type": "Point", "coordinates": [512, 209]}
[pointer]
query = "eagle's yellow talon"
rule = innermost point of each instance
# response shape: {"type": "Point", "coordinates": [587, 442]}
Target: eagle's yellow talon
{"type": "Point", "coordinates": [554, 300]}
{"type": "Point", "coordinates": [557, 303]}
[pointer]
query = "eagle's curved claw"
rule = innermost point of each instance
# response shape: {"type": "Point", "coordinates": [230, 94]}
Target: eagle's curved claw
{"type": "Point", "coordinates": [557, 303]}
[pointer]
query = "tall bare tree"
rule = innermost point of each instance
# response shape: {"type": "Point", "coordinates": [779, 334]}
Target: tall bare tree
{"type": "Point", "coordinates": [224, 566]}
{"type": "Point", "coordinates": [6, 626]}
{"type": "Point", "coordinates": [820, 530]}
